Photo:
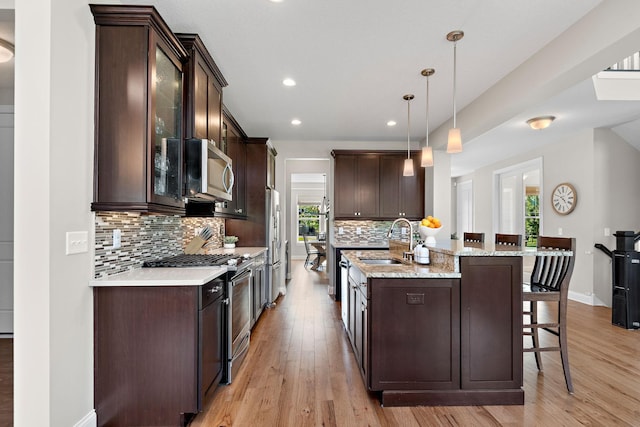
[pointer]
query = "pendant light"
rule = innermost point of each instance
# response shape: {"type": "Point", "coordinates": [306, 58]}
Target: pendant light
{"type": "Point", "coordinates": [427, 152]}
{"type": "Point", "coordinates": [454, 142]}
{"type": "Point", "coordinates": [408, 163]}
{"type": "Point", "coordinates": [324, 207]}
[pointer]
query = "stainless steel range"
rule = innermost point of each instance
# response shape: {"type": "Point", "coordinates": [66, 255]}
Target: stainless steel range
{"type": "Point", "coordinates": [238, 297]}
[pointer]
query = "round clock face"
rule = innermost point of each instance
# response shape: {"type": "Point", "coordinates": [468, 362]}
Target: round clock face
{"type": "Point", "coordinates": [564, 198]}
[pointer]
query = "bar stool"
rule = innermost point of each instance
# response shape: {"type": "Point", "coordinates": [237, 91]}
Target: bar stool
{"type": "Point", "coordinates": [550, 282]}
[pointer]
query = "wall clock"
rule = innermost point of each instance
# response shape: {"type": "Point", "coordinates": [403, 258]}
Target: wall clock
{"type": "Point", "coordinates": [564, 198]}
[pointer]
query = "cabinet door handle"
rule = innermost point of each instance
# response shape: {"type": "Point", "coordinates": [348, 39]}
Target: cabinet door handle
{"type": "Point", "coordinates": [214, 289]}
{"type": "Point", "coordinates": [225, 301]}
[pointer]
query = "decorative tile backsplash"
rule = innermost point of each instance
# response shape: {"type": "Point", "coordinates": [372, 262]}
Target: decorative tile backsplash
{"type": "Point", "coordinates": [371, 232]}
{"type": "Point", "coordinates": [145, 237]}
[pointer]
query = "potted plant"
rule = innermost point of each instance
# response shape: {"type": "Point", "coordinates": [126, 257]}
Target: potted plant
{"type": "Point", "coordinates": [230, 242]}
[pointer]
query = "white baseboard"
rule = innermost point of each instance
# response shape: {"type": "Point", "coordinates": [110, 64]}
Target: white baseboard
{"type": "Point", "coordinates": [89, 420]}
{"type": "Point", "coordinates": [585, 299]}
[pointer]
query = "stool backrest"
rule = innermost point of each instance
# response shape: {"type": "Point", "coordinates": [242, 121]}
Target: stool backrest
{"type": "Point", "coordinates": [553, 273]}
{"type": "Point", "coordinates": [474, 237]}
{"type": "Point", "coordinates": [509, 239]}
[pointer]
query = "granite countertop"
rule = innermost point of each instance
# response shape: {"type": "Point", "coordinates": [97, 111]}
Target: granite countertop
{"type": "Point", "coordinates": [167, 276]}
{"type": "Point", "coordinates": [403, 270]}
{"type": "Point", "coordinates": [461, 248]}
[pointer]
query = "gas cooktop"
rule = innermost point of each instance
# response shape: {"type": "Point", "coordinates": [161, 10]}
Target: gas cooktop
{"type": "Point", "coordinates": [194, 260]}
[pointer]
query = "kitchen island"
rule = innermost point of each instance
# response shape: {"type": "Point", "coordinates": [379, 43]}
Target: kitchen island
{"type": "Point", "coordinates": [447, 333]}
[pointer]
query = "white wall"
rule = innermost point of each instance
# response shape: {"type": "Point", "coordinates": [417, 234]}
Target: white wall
{"type": "Point", "coordinates": [53, 191]}
{"type": "Point", "coordinates": [605, 171]}
{"type": "Point", "coordinates": [6, 218]}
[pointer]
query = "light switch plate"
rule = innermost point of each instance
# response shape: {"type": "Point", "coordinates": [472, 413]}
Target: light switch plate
{"type": "Point", "coordinates": [77, 242]}
{"type": "Point", "coordinates": [340, 230]}
{"type": "Point", "coordinates": [117, 239]}
{"type": "Point", "coordinates": [607, 231]}
{"type": "Point", "coordinates": [559, 231]}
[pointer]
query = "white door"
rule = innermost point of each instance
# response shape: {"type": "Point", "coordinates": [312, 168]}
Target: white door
{"type": "Point", "coordinates": [464, 202]}
{"type": "Point", "coordinates": [6, 221]}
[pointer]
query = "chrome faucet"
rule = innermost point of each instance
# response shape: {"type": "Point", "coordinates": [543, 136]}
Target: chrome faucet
{"type": "Point", "coordinates": [410, 231]}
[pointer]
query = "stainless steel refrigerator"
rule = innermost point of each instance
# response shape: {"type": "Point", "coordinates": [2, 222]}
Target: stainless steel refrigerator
{"type": "Point", "coordinates": [275, 282]}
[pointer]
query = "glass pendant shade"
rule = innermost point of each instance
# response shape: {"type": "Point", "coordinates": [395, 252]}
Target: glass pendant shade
{"type": "Point", "coordinates": [408, 167]}
{"type": "Point", "coordinates": [427, 157]}
{"type": "Point", "coordinates": [454, 143]}
{"type": "Point", "coordinates": [6, 50]}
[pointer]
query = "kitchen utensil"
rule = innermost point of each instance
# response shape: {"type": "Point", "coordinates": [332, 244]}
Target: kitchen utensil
{"type": "Point", "coordinates": [198, 242]}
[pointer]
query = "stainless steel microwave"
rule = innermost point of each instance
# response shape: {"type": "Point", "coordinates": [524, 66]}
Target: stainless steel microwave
{"type": "Point", "coordinates": [209, 172]}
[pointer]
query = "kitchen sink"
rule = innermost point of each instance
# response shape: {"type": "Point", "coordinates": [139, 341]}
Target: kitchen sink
{"type": "Point", "coordinates": [387, 261]}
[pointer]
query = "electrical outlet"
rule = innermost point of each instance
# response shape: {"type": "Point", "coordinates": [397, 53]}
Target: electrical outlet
{"type": "Point", "coordinates": [117, 239]}
{"type": "Point", "coordinates": [358, 230]}
{"type": "Point", "coordinates": [340, 230]}
{"type": "Point", "coordinates": [403, 230]}
{"type": "Point", "coordinates": [559, 231]}
{"type": "Point", "coordinates": [607, 231]}
{"type": "Point", "coordinates": [77, 242]}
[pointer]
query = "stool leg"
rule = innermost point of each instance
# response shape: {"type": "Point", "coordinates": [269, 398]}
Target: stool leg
{"type": "Point", "coordinates": [562, 336]}
{"type": "Point", "coordinates": [533, 308]}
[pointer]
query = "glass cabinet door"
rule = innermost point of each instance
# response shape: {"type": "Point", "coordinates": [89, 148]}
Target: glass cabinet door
{"type": "Point", "coordinates": [168, 128]}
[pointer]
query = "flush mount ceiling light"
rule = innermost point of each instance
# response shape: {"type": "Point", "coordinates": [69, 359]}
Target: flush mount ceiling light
{"type": "Point", "coordinates": [296, 122]}
{"type": "Point", "coordinates": [391, 123]}
{"type": "Point", "coordinates": [454, 142]}
{"type": "Point", "coordinates": [408, 163]}
{"type": "Point", "coordinates": [289, 82]}
{"type": "Point", "coordinates": [427, 152]}
{"type": "Point", "coordinates": [7, 50]}
{"type": "Point", "coordinates": [541, 122]}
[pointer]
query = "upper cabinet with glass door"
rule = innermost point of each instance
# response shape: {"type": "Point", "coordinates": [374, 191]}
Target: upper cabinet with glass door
{"type": "Point", "coordinates": [139, 91]}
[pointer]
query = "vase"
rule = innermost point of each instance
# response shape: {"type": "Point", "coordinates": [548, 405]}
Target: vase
{"type": "Point", "coordinates": [229, 245]}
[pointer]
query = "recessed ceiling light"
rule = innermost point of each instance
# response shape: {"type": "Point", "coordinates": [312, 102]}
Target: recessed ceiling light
{"type": "Point", "coordinates": [295, 122]}
{"type": "Point", "coordinates": [275, 1]}
{"type": "Point", "coordinates": [289, 82]}
{"type": "Point", "coordinates": [391, 123]}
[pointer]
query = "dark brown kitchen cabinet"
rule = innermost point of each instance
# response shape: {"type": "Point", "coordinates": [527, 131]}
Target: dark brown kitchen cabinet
{"type": "Point", "coordinates": [259, 297]}
{"type": "Point", "coordinates": [401, 196]}
{"type": "Point", "coordinates": [370, 185]}
{"type": "Point", "coordinates": [234, 139]}
{"type": "Point", "coordinates": [158, 352]}
{"type": "Point", "coordinates": [356, 185]}
{"type": "Point", "coordinates": [203, 92]}
{"type": "Point", "coordinates": [420, 348]}
{"type": "Point", "coordinates": [252, 231]}
{"type": "Point", "coordinates": [139, 112]}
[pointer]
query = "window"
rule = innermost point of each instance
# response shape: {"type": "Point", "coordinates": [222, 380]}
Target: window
{"type": "Point", "coordinates": [518, 203]}
{"type": "Point", "coordinates": [309, 223]}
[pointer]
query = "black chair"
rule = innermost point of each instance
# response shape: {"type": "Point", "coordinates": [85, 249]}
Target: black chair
{"type": "Point", "coordinates": [509, 239]}
{"type": "Point", "coordinates": [312, 251]}
{"type": "Point", "coordinates": [473, 237]}
{"type": "Point", "coordinates": [550, 282]}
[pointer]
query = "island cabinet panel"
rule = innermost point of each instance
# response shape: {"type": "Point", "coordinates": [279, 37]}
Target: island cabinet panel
{"type": "Point", "coordinates": [415, 334]}
{"type": "Point", "coordinates": [401, 196]}
{"type": "Point", "coordinates": [491, 333]}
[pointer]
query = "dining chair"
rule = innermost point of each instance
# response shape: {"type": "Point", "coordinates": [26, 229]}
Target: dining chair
{"type": "Point", "coordinates": [473, 237]}
{"type": "Point", "coordinates": [509, 239]}
{"type": "Point", "coordinates": [550, 282]}
{"type": "Point", "coordinates": [311, 251]}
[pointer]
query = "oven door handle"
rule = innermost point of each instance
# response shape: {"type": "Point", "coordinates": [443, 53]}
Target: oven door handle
{"type": "Point", "coordinates": [240, 277]}
{"type": "Point", "coordinates": [244, 346]}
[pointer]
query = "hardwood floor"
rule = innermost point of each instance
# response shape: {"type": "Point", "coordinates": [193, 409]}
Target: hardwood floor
{"type": "Point", "coordinates": [6, 382]}
{"type": "Point", "coordinates": [301, 371]}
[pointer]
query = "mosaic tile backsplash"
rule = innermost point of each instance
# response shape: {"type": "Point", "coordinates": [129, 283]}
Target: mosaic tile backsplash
{"type": "Point", "coordinates": [371, 232]}
{"type": "Point", "coordinates": [145, 237]}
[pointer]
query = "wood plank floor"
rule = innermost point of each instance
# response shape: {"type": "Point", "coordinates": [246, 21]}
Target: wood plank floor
{"type": "Point", "coordinates": [300, 371]}
{"type": "Point", "coordinates": [6, 382]}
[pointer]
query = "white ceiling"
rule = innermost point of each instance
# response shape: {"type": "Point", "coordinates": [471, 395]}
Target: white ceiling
{"type": "Point", "coordinates": [354, 60]}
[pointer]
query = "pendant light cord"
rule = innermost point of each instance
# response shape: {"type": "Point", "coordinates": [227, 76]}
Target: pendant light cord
{"type": "Point", "coordinates": [427, 137]}
{"type": "Point", "coordinates": [455, 44]}
{"type": "Point", "coordinates": [408, 128]}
